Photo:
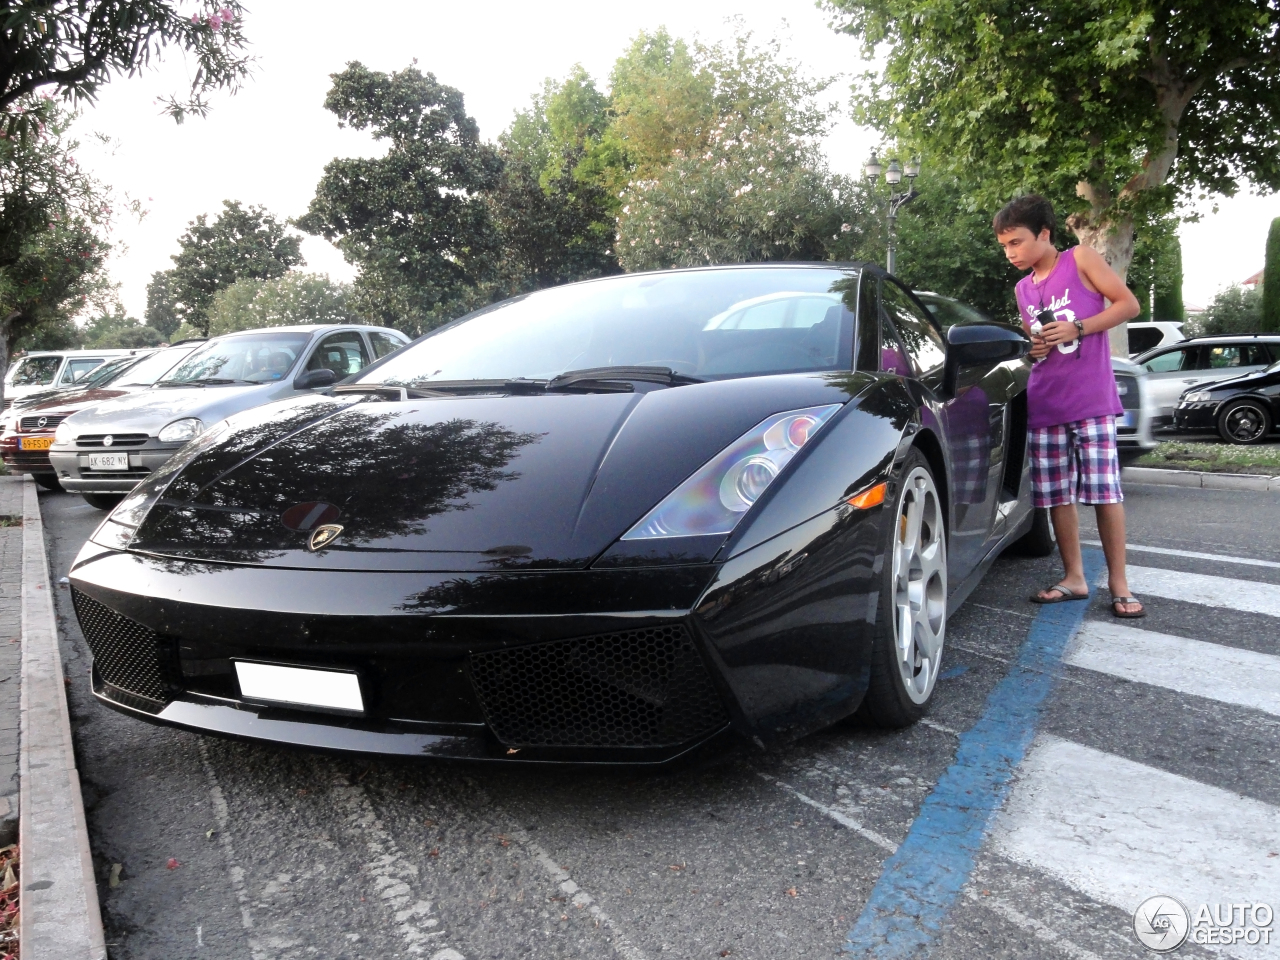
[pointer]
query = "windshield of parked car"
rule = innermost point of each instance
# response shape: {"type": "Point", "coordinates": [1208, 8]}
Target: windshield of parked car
{"type": "Point", "coordinates": [247, 358]}
{"type": "Point", "coordinates": [36, 371]}
{"type": "Point", "coordinates": [697, 323]}
{"type": "Point", "coordinates": [106, 372]}
{"type": "Point", "coordinates": [150, 369]}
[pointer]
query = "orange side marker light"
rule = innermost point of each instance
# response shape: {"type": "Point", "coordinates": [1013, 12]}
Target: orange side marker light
{"type": "Point", "coordinates": [871, 497]}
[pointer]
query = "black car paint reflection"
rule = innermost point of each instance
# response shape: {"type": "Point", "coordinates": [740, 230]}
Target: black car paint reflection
{"type": "Point", "coordinates": [478, 526]}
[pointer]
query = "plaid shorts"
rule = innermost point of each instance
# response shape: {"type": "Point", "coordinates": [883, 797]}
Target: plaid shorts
{"type": "Point", "coordinates": [1075, 462]}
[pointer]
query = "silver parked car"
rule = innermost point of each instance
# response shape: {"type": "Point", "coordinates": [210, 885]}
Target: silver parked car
{"type": "Point", "coordinates": [1171, 370]}
{"type": "Point", "coordinates": [102, 452]}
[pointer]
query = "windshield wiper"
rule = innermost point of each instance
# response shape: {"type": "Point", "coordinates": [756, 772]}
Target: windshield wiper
{"type": "Point", "coordinates": [179, 383]}
{"type": "Point", "coordinates": [581, 379]}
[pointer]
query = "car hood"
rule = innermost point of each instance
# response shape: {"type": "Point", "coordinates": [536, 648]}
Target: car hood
{"type": "Point", "coordinates": [150, 410]}
{"type": "Point", "coordinates": [67, 402]}
{"type": "Point", "coordinates": [455, 483]}
{"type": "Point", "coordinates": [1245, 381]}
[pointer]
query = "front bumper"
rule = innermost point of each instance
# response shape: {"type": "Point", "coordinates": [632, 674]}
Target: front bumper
{"type": "Point", "coordinates": [18, 460]}
{"type": "Point", "coordinates": [1196, 417]}
{"type": "Point", "coordinates": [621, 665]}
{"type": "Point", "coordinates": [71, 465]}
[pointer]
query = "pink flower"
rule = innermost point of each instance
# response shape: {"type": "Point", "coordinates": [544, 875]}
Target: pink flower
{"type": "Point", "coordinates": [214, 22]}
{"type": "Point", "coordinates": [195, 18]}
{"type": "Point", "coordinates": [227, 14]}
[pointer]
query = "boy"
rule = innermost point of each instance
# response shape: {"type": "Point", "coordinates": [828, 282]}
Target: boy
{"type": "Point", "coordinates": [1071, 398]}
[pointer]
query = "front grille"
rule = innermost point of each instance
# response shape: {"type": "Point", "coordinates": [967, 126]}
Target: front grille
{"type": "Point", "coordinates": [117, 439]}
{"type": "Point", "coordinates": [1130, 399]}
{"type": "Point", "coordinates": [126, 654]}
{"type": "Point", "coordinates": [641, 688]}
{"type": "Point", "coordinates": [27, 458]}
{"type": "Point", "coordinates": [6, 404]}
{"type": "Point", "coordinates": [33, 423]}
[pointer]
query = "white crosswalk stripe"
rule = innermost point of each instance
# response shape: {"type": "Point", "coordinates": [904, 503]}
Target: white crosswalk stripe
{"type": "Point", "coordinates": [1209, 670]}
{"type": "Point", "coordinates": [1247, 595]}
{"type": "Point", "coordinates": [1121, 832]}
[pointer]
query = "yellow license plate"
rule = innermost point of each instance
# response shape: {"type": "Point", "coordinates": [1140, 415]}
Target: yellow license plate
{"type": "Point", "coordinates": [36, 443]}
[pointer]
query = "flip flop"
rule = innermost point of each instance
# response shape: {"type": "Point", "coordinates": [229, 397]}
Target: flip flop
{"type": "Point", "coordinates": [1065, 594]}
{"type": "Point", "coordinates": [1117, 612]}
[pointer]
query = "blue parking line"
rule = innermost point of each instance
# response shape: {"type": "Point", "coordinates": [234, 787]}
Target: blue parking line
{"type": "Point", "coordinates": [921, 881]}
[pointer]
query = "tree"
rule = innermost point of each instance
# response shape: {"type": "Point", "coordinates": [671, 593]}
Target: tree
{"type": "Point", "coordinates": [74, 47]}
{"type": "Point", "coordinates": [240, 243]}
{"type": "Point", "coordinates": [1166, 301]}
{"type": "Point", "coordinates": [1271, 281]}
{"type": "Point", "coordinates": [1236, 309]}
{"type": "Point", "coordinates": [415, 221]}
{"type": "Point", "coordinates": [114, 329]}
{"type": "Point", "coordinates": [295, 298]}
{"type": "Point", "coordinates": [1114, 110]}
{"type": "Point", "coordinates": [1155, 272]}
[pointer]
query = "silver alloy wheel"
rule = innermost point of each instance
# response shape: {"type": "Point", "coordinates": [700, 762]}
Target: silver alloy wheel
{"type": "Point", "coordinates": [919, 585]}
{"type": "Point", "coordinates": [1245, 423]}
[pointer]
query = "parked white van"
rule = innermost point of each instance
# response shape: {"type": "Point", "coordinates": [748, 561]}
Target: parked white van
{"type": "Point", "coordinates": [50, 369]}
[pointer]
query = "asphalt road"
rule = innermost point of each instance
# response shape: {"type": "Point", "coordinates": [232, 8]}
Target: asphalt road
{"type": "Point", "coordinates": [1151, 769]}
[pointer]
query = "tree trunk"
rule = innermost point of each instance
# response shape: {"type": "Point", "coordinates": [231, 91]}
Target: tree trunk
{"type": "Point", "coordinates": [1112, 238]}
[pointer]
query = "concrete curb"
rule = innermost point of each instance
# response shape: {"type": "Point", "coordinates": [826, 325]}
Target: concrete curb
{"type": "Point", "coordinates": [60, 916]}
{"type": "Point", "coordinates": [1205, 481]}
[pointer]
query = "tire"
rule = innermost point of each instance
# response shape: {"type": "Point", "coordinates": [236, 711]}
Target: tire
{"type": "Point", "coordinates": [103, 501]}
{"type": "Point", "coordinates": [913, 593]}
{"type": "Point", "coordinates": [47, 480]}
{"type": "Point", "coordinates": [1039, 540]}
{"type": "Point", "coordinates": [1244, 422]}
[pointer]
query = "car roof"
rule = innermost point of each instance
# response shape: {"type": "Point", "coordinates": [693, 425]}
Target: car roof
{"type": "Point", "coordinates": [303, 328]}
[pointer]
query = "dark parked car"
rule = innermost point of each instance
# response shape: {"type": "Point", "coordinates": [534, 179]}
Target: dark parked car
{"type": "Point", "coordinates": [1243, 409]}
{"type": "Point", "coordinates": [602, 522]}
{"type": "Point", "coordinates": [1200, 361]}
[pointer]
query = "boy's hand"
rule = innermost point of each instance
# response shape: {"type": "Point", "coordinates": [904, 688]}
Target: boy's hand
{"type": "Point", "coordinates": [1040, 347]}
{"type": "Point", "coordinates": [1060, 331]}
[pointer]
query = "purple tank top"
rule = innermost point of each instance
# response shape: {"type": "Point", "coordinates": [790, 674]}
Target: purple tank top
{"type": "Point", "coordinates": [1075, 381]}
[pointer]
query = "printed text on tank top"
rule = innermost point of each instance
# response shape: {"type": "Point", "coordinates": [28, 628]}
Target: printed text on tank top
{"type": "Point", "coordinates": [1057, 304]}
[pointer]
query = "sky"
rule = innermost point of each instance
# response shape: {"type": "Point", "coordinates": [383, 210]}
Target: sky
{"type": "Point", "coordinates": [268, 144]}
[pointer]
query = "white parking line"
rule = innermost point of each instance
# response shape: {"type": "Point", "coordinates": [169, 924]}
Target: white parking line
{"type": "Point", "coordinates": [1210, 670]}
{"type": "Point", "coordinates": [1192, 555]}
{"type": "Point", "coordinates": [1247, 595]}
{"type": "Point", "coordinates": [1120, 832]}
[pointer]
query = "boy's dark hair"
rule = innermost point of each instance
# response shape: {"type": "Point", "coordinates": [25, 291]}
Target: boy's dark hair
{"type": "Point", "coordinates": [1032, 211]}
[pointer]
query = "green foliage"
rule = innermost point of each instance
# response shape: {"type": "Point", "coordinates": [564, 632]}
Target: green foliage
{"type": "Point", "coordinates": [116, 330]}
{"type": "Point", "coordinates": [240, 243]}
{"type": "Point", "coordinates": [946, 246]}
{"type": "Point", "coordinates": [75, 47]}
{"type": "Point", "coordinates": [414, 221]}
{"type": "Point", "coordinates": [295, 298]}
{"type": "Point", "coordinates": [1112, 110]}
{"type": "Point", "coordinates": [1155, 273]}
{"type": "Point", "coordinates": [1167, 300]}
{"type": "Point", "coordinates": [1233, 310]}
{"type": "Point", "coordinates": [747, 198]}
{"type": "Point", "coordinates": [1271, 280]}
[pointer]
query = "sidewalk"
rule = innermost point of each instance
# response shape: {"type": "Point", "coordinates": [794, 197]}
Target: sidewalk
{"type": "Point", "coordinates": [10, 654]}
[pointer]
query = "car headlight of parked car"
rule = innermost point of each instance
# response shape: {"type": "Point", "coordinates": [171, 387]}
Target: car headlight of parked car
{"type": "Point", "coordinates": [714, 499]}
{"type": "Point", "coordinates": [180, 431]}
{"type": "Point", "coordinates": [64, 434]}
{"type": "Point", "coordinates": [1200, 396]}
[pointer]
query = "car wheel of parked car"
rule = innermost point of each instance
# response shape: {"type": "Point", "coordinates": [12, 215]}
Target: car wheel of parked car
{"type": "Point", "coordinates": [912, 621]}
{"type": "Point", "coordinates": [47, 480]}
{"type": "Point", "coordinates": [103, 501]}
{"type": "Point", "coordinates": [1038, 541]}
{"type": "Point", "coordinates": [1245, 421]}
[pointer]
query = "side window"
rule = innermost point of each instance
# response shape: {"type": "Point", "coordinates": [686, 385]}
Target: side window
{"type": "Point", "coordinates": [1141, 341]}
{"type": "Point", "coordinates": [383, 344]}
{"type": "Point", "coordinates": [77, 369]}
{"type": "Point", "coordinates": [343, 353]}
{"type": "Point", "coordinates": [1172, 361]}
{"type": "Point", "coordinates": [1226, 356]}
{"type": "Point", "coordinates": [923, 340]}
{"type": "Point", "coordinates": [1255, 355]}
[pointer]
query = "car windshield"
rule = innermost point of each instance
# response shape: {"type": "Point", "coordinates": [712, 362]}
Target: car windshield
{"type": "Point", "coordinates": [150, 369]}
{"type": "Point", "coordinates": [247, 358]}
{"type": "Point", "coordinates": [697, 323]}
{"type": "Point", "coordinates": [106, 372]}
{"type": "Point", "coordinates": [36, 371]}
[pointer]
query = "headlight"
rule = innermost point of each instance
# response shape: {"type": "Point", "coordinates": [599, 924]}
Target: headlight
{"type": "Point", "coordinates": [64, 434]}
{"type": "Point", "coordinates": [714, 499]}
{"type": "Point", "coordinates": [1198, 397]}
{"type": "Point", "coordinates": [180, 431]}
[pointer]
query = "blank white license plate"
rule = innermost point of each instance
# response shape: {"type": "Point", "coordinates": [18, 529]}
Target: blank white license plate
{"type": "Point", "coordinates": [108, 461]}
{"type": "Point", "coordinates": [300, 686]}
{"type": "Point", "coordinates": [1127, 420]}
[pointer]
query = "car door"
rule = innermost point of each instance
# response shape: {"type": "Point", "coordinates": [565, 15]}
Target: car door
{"type": "Point", "coordinates": [970, 419]}
{"type": "Point", "coordinates": [1168, 374]}
{"type": "Point", "coordinates": [343, 352]}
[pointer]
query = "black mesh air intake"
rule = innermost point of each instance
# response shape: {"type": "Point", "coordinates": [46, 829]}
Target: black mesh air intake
{"type": "Point", "coordinates": [126, 654]}
{"type": "Point", "coordinates": [1130, 398]}
{"type": "Point", "coordinates": [641, 688]}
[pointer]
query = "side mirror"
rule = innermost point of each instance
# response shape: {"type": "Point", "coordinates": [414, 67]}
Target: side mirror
{"type": "Point", "coordinates": [311, 379]}
{"type": "Point", "coordinates": [971, 344]}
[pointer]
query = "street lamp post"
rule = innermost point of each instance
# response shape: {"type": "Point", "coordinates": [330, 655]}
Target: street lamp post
{"type": "Point", "coordinates": [893, 176]}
